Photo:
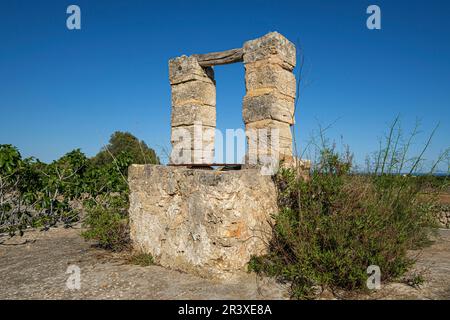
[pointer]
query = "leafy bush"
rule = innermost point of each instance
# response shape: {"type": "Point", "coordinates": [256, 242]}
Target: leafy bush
{"type": "Point", "coordinates": [332, 227]}
{"type": "Point", "coordinates": [106, 222]}
{"type": "Point", "coordinates": [14, 214]}
{"type": "Point", "coordinates": [336, 224]}
{"type": "Point", "coordinates": [35, 194]}
{"type": "Point", "coordinates": [106, 217]}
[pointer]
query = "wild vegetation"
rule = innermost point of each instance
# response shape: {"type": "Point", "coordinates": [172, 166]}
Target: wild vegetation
{"type": "Point", "coordinates": [141, 259]}
{"type": "Point", "coordinates": [70, 189]}
{"type": "Point", "coordinates": [334, 225]}
{"type": "Point", "coordinates": [330, 227]}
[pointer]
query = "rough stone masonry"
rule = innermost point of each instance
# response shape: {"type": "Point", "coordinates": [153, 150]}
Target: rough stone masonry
{"type": "Point", "coordinates": [211, 222]}
{"type": "Point", "coordinates": [204, 222]}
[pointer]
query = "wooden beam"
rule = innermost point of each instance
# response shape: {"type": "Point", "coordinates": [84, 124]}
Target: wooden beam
{"type": "Point", "coordinates": [217, 58]}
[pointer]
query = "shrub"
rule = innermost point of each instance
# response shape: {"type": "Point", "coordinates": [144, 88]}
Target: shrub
{"type": "Point", "coordinates": [35, 194]}
{"type": "Point", "coordinates": [336, 224]}
{"type": "Point", "coordinates": [106, 222]}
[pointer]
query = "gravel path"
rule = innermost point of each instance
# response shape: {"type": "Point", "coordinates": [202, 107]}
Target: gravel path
{"type": "Point", "coordinates": [37, 270]}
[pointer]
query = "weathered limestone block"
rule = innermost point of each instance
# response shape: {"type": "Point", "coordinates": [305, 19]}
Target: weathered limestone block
{"type": "Point", "coordinates": [184, 69]}
{"type": "Point", "coordinates": [284, 128]}
{"type": "Point", "coordinates": [192, 144]}
{"type": "Point", "coordinates": [204, 222]}
{"type": "Point", "coordinates": [271, 91]}
{"type": "Point", "coordinates": [196, 134]}
{"type": "Point", "coordinates": [204, 156]}
{"type": "Point", "coordinates": [268, 106]}
{"type": "Point", "coordinates": [258, 156]}
{"type": "Point", "coordinates": [194, 93]}
{"type": "Point", "coordinates": [272, 159]}
{"type": "Point", "coordinates": [186, 115]}
{"type": "Point", "coordinates": [272, 47]}
{"type": "Point", "coordinates": [188, 156]}
{"type": "Point", "coordinates": [262, 75]}
{"type": "Point", "coordinates": [193, 102]}
{"type": "Point", "coordinates": [261, 140]}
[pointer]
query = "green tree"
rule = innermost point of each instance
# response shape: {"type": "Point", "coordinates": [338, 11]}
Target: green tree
{"type": "Point", "coordinates": [125, 142]}
{"type": "Point", "coordinates": [18, 180]}
{"type": "Point", "coordinates": [10, 159]}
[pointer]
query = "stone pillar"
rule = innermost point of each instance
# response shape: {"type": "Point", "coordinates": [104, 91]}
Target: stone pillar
{"type": "Point", "coordinates": [193, 111]}
{"type": "Point", "coordinates": [270, 96]}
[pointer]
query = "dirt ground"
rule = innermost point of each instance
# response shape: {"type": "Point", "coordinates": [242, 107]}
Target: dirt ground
{"type": "Point", "coordinates": [34, 267]}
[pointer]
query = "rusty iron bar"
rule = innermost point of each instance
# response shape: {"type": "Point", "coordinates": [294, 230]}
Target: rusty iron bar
{"type": "Point", "coordinates": [205, 164]}
{"type": "Point", "coordinates": [209, 166]}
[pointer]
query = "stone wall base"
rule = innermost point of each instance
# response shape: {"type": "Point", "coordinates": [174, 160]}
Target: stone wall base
{"type": "Point", "coordinates": [203, 222]}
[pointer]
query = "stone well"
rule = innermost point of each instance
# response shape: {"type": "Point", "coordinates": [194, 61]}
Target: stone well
{"type": "Point", "coordinates": [210, 222]}
{"type": "Point", "coordinates": [203, 222]}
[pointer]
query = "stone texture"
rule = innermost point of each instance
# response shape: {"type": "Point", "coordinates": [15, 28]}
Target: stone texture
{"type": "Point", "coordinates": [196, 134]}
{"type": "Point", "coordinates": [268, 106]}
{"type": "Point", "coordinates": [184, 69]}
{"type": "Point", "coordinates": [284, 128]}
{"type": "Point", "coordinates": [194, 93]}
{"type": "Point", "coordinates": [186, 115]}
{"type": "Point", "coordinates": [204, 222]}
{"type": "Point", "coordinates": [262, 75]}
{"type": "Point", "coordinates": [272, 47]}
{"type": "Point", "coordinates": [192, 144]}
{"type": "Point", "coordinates": [270, 97]}
{"type": "Point", "coordinates": [193, 103]}
{"type": "Point", "coordinates": [443, 215]}
{"type": "Point", "coordinates": [188, 156]}
{"type": "Point", "coordinates": [269, 100]}
{"type": "Point", "coordinates": [261, 143]}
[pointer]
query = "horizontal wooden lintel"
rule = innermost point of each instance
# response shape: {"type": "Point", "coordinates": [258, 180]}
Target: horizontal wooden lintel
{"type": "Point", "coordinates": [218, 58]}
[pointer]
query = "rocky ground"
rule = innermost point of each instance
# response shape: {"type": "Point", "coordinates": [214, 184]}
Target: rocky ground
{"type": "Point", "coordinates": [34, 267]}
{"type": "Point", "coordinates": [37, 270]}
{"type": "Point", "coordinates": [444, 214]}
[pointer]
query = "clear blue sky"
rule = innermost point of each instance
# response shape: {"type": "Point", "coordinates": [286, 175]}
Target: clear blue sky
{"type": "Point", "coordinates": [62, 89]}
